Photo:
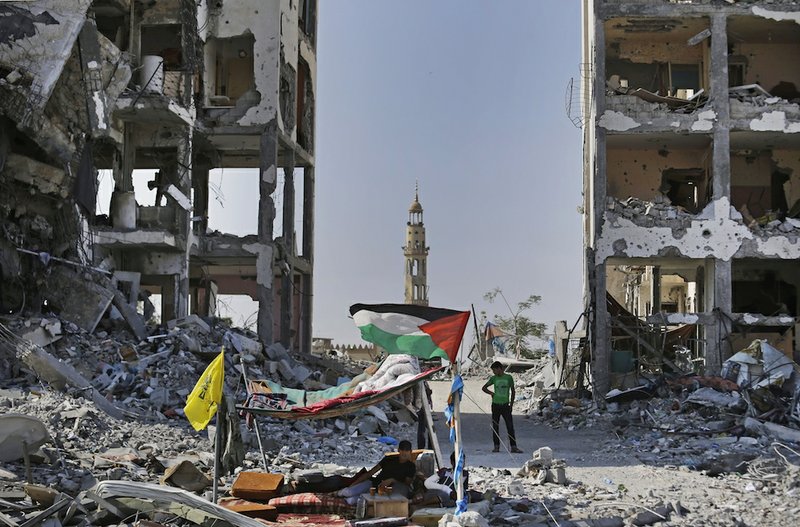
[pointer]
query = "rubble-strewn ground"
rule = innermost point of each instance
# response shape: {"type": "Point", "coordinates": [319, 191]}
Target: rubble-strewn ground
{"type": "Point", "coordinates": [634, 464]}
{"type": "Point", "coordinates": [620, 465]}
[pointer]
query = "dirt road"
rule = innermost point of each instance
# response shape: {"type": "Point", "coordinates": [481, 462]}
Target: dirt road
{"type": "Point", "coordinates": [593, 456]}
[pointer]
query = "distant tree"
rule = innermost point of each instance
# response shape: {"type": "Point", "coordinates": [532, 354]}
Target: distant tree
{"type": "Point", "coordinates": [518, 324]}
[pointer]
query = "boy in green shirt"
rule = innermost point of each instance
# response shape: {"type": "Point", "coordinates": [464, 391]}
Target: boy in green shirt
{"type": "Point", "coordinates": [502, 400]}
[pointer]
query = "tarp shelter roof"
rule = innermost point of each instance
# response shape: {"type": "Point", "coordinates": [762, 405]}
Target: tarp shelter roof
{"type": "Point", "coordinates": [339, 406]}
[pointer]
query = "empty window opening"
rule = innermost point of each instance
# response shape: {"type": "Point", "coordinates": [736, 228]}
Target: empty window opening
{"type": "Point", "coordinates": [649, 289]}
{"type": "Point", "coordinates": [163, 40]}
{"type": "Point", "coordinates": [112, 24]}
{"type": "Point", "coordinates": [240, 310]}
{"type": "Point", "coordinates": [685, 187]}
{"type": "Point", "coordinates": [663, 56]}
{"type": "Point", "coordinates": [233, 201]}
{"type": "Point", "coordinates": [765, 184]}
{"type": "Point", "coordinates": [233, 71]}
{"type": "Point", "coordinates": [763, 287]}
{"type": "Point", "coordinates": [648, 176]}
{"type": "Point", "coordinates": [757, 51]}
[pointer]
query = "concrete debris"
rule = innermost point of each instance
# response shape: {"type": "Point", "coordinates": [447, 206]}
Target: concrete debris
{"type": "Point", "coordinates": [20, 435]}
{"type": "Point", "coordinates": [186, 476]}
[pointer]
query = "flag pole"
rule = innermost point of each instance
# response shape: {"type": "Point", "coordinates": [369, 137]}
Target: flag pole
{"type": "Point", "coordinates": [459, 442]}
{"type": "Point", "coordinates": [217, 454]}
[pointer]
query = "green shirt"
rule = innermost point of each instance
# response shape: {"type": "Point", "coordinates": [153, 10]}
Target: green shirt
{"type": "Point", "coordinates": [502, 388]}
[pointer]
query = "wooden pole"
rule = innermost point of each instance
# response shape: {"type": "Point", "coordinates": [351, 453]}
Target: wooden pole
{"type": "Point", "coordinates": [427, 414]}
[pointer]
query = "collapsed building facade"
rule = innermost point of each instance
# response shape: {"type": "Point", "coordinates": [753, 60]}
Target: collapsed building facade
{"type": "Point", "coordinates": [167, 91]}
{"type": "Point", "coordinates": [691, 181]}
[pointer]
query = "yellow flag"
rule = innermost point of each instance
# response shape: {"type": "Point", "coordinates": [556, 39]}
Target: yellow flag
{"type": "Point", "coordinates": [201, 405]}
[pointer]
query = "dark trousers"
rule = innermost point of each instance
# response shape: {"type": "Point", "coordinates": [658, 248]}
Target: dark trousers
{"type": "Point", "coordinates": [504, 411]}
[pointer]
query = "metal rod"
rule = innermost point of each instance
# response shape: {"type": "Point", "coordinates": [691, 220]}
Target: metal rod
{"type": "Point", "coordinates": [458, 442]}
{"type": "Point", "coordinates": [217, 454]}
{"type": "Point", "coordinates": [255, 418]}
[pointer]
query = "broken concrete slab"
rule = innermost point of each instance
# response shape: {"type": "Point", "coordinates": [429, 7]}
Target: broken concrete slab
{"type": "Point", "coordinates": [131, 316]}
{"type": "Point", "coordinates": [20, 433]}
{"type": "Point", "coordinates": [55, 372]}
{"type": "Point", "coordinates": [189, 322]}
{"type": "Point", "coordinates": [186, 476]}
{"type": "Point", "coordinates": [40, 336]}
{"type": "Point", "coordinates": [79, 300]}
{"type": "Point", "coordinates": [772, 429]}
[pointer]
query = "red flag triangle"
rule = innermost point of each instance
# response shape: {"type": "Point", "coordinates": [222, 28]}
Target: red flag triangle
{"type": "Point", "coordinates": [447, 332]}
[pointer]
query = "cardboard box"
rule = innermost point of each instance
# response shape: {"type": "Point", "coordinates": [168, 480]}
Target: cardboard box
{"type": "Point", "coordinates": [386, 506]}
{"type": "Point", "coordinates": [257, 486]}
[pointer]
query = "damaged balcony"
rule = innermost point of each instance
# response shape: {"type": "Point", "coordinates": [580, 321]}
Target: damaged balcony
{"type": "Point", "coordinates": [657, 74]}
{"type": "Point", "coordinates": [163, 40]}
{"type": "Point", "coordinates": [765, 182]}
{"type": "Point", "coordinates": [764, 85]}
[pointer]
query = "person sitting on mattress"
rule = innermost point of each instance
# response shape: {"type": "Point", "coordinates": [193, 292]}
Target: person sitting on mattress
{"type": "Point", "coordinates": [394, 476]}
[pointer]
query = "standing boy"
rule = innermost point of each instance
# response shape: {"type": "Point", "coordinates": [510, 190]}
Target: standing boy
{"type": "Point", "coordinates": [502, 401]}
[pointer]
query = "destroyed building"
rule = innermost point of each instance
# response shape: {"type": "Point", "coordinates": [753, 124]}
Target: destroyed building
{"type": "Point", "coordinates": [691, 114]}
{"type": "Point", "coordinates": [167, 92]}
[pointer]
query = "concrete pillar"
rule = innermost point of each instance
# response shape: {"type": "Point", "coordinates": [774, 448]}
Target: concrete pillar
{"type": "Point", "coordinates": [308, 254]}
{"type": "Point", "coordinates": [169, 297]}
{"type": "Point", "coordinates": [600, 321]}
{"type": "Point", "coordinates": [287, 279]}
{"type": "Point", "coordinates": [655, 290]}
{"type": "Point", "coordinates": [125, 181]}
{"type": "Point", "coordinates": [184, 219]}
{"type": "Point", "coordinates": [200, 198]}
{"type": "Point", "coordinates": [717, 346]}
{"type": "Point", "coordinates": [268, 170]}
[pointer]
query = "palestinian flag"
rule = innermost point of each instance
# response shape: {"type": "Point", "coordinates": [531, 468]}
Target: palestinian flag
{"type": "Point", "coordinates": [422, 331]}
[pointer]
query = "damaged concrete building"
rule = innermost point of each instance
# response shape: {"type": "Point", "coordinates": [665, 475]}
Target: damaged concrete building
{"type": "Point", "coordinates": [166, 91]}
{"type": "Point", "coordinates": [691, 181]}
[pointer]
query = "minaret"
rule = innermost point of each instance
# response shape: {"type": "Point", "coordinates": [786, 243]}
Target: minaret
{"type": "Point", "coordinates": [416, 255]}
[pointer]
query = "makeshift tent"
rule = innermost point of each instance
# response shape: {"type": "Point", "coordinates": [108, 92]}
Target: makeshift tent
{"type": "Point", "coordinates": [322, 404]}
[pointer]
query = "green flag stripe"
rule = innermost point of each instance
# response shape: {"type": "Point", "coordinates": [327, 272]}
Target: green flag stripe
{"type": "Point", "coordinates": [418, 345]}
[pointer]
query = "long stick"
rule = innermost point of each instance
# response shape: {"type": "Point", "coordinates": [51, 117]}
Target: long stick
{"type": "Point", "coordinates": [255, 419]}
{"type": "Point", "coordinates": [217, 454]}
{"type": "Point", "coordinates": [458, 445]}
{"type": "Point", "coordinates": [427, 414]}
{"type": "Point", "coordinates": [478, 336]}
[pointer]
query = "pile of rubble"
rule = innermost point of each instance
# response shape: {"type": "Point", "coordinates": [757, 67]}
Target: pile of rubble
{"type": "Point", "coordinates": [657, 213]}
{"type": "Point", "coordinates": [771, 223]}
{"type": "Point", "coordinates": [107, 407]}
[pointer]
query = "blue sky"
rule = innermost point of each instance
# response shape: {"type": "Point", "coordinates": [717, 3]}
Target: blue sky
{"type": "Point", "coordinates": [466, 96]}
